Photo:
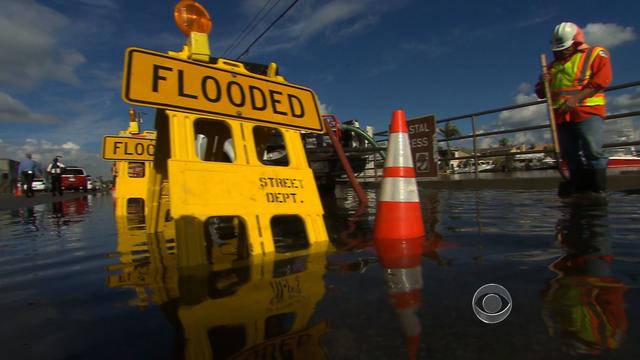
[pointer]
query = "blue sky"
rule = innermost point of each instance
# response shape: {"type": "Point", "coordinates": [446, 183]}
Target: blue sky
{"type": "Point", "coordinates": [61, 64]}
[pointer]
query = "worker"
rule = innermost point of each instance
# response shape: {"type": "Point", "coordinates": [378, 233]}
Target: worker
{"type": "Point", "coordinates": [55, 172]}
{"type": "Point", "coordinates": [27, 169]}
{"type": "Point", "coordinates": [577, 77]}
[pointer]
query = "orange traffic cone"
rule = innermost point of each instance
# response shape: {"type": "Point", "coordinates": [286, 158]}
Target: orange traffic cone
{"type": "Point", "coordinates": [399, 232]}
{"type": "Point", "coordinates": [19, 189]}
{"type": "Point", "coordinates": [398, 229]}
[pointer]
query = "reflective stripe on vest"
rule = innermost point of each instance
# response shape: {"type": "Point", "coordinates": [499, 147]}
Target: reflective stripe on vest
{"type": "Point", "coordinates": [569, 78]}
{"type": "Point", "coordinates": [55, 169]}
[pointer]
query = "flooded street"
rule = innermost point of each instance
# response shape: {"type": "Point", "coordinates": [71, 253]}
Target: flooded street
{"type": "Point", "coordinates": [77, 284]}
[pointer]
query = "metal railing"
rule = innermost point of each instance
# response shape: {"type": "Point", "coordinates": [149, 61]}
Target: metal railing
{"type": "Point", "coordinates": [473, 117]}
{"type": "Point", "coordinates": [382, 136]}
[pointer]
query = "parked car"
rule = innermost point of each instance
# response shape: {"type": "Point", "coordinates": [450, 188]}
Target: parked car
{"type": "Point", "coordinates": [38, 184]}
{"type": "Point", "coordinates": [90, 183]}
{"type": "Point", "coordinates": [74, 178]}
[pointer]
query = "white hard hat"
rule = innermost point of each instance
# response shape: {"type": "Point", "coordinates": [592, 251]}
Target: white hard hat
{"type": "Point", "coordinates": [565, 34]}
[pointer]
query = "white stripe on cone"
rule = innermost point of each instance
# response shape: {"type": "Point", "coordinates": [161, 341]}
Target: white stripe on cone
{"type": "Point", "coordinates": [399, 190]}
{"type": "Point", "coordinates": [398, 151]}
{"type": "Point", "coordinates": [403, 280]}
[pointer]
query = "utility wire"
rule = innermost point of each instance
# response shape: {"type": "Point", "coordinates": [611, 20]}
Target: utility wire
{"type": "Point", "coordinates": [246, 51]}
{"type": "Point", "coordinates": [252, 24]}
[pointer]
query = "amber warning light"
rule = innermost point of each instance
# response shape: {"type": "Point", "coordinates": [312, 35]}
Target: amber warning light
{"type": "Point", "coordinates": [192, 17]}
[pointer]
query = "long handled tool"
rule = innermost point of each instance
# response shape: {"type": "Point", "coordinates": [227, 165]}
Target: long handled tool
{"type": "Point", "coordinates": [552, 118]}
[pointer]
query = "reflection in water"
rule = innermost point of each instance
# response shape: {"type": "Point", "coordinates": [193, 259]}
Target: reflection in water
{"type": "Point", "coordinates": [348, 227]}
{"type": "Point", "coordinates": [404, 287]}
{"type": "Point", "coordinates": [225, 309]}
{"type": "Point", "coordinates": [401, 260]}
{"type": "Point", "coordinates": [55, 305]}
{"type": "Point", "coordinates": [434, 240]}
{"type": "Point", "coordinates": [62, 213]}
{"type": "Point", "coordinates": [584, 304]}
{"type": "Point", "coordinates": [59, 215]}
{"type": "Point", "coordinates": [29, 218]}
{"type": "Point", "coordinates": [67, 211]}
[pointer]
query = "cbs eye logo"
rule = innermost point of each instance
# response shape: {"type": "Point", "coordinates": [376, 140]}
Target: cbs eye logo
{"type": "Point", "coordinates": [491, 303]}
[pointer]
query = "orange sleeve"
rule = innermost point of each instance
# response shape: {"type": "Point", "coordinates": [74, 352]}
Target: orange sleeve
{"type": "Point", "coordinates": [601, 74]}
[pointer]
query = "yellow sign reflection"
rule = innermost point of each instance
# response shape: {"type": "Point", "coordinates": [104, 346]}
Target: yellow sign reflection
{"type": "Point", "coordinates": [226, 308]}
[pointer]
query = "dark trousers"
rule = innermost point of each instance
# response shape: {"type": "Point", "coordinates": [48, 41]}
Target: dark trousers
{"type": "Point", "coordinates": [56, 184]}
{"type": "Point", "coordinates": [28, 180]}
{"type": "Point", "coordinates": [581, 146]}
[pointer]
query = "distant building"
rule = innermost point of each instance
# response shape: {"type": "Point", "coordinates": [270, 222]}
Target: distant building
{"type": "Point", "coordinates": [8, 175]}
{"type": "Point", "coordinates": [456, 153]}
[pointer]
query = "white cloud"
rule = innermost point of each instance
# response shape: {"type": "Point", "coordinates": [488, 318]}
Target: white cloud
{"type": "Point", "coordinates": [526, 116]}
{"type": "Point", "coordinates": [359, 26]}
{"type": "Point", "coordinates": [624, 102]}
{"type": "Point", "coordinates": [608, 35]}
{"type": "Point", "coordinates": [325, 109]}
{"type": "Point", "coordinates": [70, 146]}
{"type": "Point", "coordinates": [536, 18]}
{"type": "Point", "coordinates": [324, 16]}
{"type": "Point", "coordinates": [337, 20]}
{"type": "Point", "coordinates": [107, 77]}
{"type": "Point", "coordinates": [524, 88]}
{"type": "Point", "coordinates": [623, 129]}
{"type": "Point", "coordinates": [13, 110]}
{"type": "Point", "coordinates": [486, 142]}
{"type": "Point", "coordinates": [627, 129]}
{"type": "Point", "coordinates": [44, 151]}
{"type": "Point", "coordinates": [30, 49]}
{"type": "Point", "coordinates": [517, 118]}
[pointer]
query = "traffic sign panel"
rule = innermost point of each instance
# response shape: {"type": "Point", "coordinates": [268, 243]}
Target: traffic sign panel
{"type": "Point", "coordinates": [164, 81]}
{"type": "Point", "coordinates": [422, 135]}
{"type": "Point", "coordinates": [128, 148]}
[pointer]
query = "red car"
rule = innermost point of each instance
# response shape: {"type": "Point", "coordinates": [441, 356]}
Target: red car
{"type": "Point", "coordinates": [74, 178]}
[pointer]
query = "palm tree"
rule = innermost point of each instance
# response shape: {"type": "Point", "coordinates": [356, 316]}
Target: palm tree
{"type": "Point", "coordinates": [448, 131]}
{"type": "Point", "coordinates": [507, 165]}
{"type": "Point", "coordinates": [504, 142]}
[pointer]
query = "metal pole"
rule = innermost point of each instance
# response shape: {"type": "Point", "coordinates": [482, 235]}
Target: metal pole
{"type": "Point", "coordinates": [475, 148]}
{"type": "Point", "coordinates": [552, 118]}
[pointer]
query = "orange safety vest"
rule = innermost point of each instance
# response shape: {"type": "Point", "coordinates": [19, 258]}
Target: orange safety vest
{"type": "Point", "coordinates": [569, 78]}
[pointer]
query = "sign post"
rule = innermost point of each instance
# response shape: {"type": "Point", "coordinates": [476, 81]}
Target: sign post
{"type": "Point", "coordinates": [422, 136]}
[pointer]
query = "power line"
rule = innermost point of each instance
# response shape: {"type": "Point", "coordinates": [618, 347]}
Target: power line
{"type": "Point", "coordinates": [252, 24]}
{"type": "Point", "coordinates": [246, 51]}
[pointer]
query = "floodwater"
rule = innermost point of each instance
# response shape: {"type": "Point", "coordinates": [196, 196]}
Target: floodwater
{"type": "Point", "coordinates": [76, 286]}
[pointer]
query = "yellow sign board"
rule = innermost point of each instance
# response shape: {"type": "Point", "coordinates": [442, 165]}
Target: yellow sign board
{"type": "Point", "coordinates": [128, 148]}
{"type": "Point", "coordinates": [159, 80]}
